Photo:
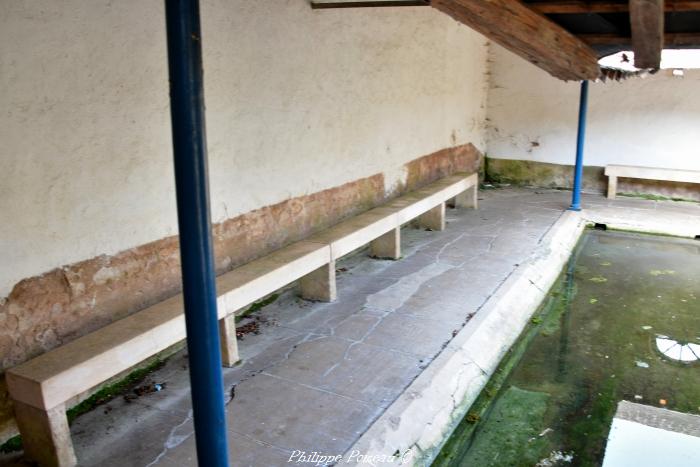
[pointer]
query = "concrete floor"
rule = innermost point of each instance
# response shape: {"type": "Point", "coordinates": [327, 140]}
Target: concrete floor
{"type": "Point", "coordinates": [318, 375]}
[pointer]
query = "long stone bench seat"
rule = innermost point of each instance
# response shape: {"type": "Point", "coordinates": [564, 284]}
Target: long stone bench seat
{"type": "Point", "coordinates": [461, 191]}
{"type": "Point", "coordinates": [306, 261]}
{"type": "Point", "coordinates": [74, 368]}
{"type": "Point", "coordinates": [41, 387]}
{"type": "Point", "coordinates": [257, 279]}
{"type": "Point", "coordinates": [356, 232]}
{"type": "Point", "coordinates": [371, 226]}
{"type": "Point", "coordinates": [647, 173]}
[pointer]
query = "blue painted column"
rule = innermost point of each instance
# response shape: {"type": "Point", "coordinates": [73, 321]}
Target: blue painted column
{"type": "Point", "coordinates": [578, 170]}
{"type": "Point", "coordinates": [192, 189]}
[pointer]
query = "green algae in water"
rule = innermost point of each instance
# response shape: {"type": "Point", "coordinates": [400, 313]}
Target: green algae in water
{"type": "Point", "coordinates": [598, 279]}
{"type": "Point", "coordinates": [658, 272]}
{"type": "Point", "coordinates": [509, 436]}
{"type": "Point", "coordinates": [585, 359]}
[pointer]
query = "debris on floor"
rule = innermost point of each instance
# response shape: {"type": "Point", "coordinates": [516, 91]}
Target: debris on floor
{"type": "Point", "coordinates": [251, 325]}
{"type": "Point", "coordinates": [143, 390]}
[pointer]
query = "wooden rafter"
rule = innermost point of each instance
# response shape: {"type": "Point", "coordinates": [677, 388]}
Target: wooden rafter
{"type": "Point", "coordinates": [647, 23]}
{"type": "Point", "coordinates": [543, 6]}
{"type": "Point", "coordinates": [316, 5]}
{"type": "Point", "coordinates": [604, 6]}
{"type": "Point", "coordinates": [670, 40]}
{"type": "Point", "coordinates": [528, 34]}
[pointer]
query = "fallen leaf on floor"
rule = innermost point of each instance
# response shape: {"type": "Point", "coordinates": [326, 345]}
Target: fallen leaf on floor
{"type": "Point", "coordinates": [252, 327]}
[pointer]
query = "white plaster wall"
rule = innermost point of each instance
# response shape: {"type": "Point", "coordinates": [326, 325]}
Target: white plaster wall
{"type": "Point", "coordinates": [652, 122]}
{"type": "Point", "coordinates": [297, 101]}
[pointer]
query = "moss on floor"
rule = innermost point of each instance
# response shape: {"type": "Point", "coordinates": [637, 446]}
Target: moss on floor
{"type": "Point", "coordinates": [113, 390]}
{"type": "Point", "coordinates": [102, 396]}
{"type": "Point", "coordinates": [653, 197]}
{"type": "Point", "coordinates": [257, 306]}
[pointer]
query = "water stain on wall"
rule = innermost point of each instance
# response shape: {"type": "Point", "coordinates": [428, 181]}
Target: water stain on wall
{"type": "Point", "coordinates": [546, 175]}
{"type": "Point", "coordinates": [45, 311]}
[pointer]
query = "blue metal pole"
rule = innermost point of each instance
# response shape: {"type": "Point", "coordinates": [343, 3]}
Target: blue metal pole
{"type": "Point", "coordinates": [578, 171]}
{"type": "Point", "coordinates": [191, 185]}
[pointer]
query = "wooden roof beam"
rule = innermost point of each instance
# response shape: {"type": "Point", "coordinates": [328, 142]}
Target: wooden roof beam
{"type": "Point", "coordinates": [604, 6]}
{"type": "Point", "coordinates": [315, 5]}
{"type": "Point", "coordinates": [528, 34]}
{"type": "Point", "coordinates": [679, 39]}
{"type": "Point", "coordinates": [647, 22]}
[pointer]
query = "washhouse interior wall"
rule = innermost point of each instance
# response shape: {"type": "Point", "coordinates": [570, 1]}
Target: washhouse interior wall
{"type": "Point", "coordinates": [298, 101]}
{"type": "Point", "coordinates": [312, 116]}
{"type": "Point", "coordinates": [648, 122]}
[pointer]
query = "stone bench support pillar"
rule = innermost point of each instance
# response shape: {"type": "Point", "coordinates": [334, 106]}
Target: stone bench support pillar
{"type": "Point", "coordinates": [229, 342]}
{"type": "Point", "coordinates": [434, 219]}
{"type": "Point", "coordinates": [612, 186]}
{"type": "Point", "coordinates": [45, 435]}
{"type": "Point", "coordinates": [319, 285]}
{"type": "Point", "coordinates": [388, 246]}
{"type": "Point", "coordinates": [467, 199]}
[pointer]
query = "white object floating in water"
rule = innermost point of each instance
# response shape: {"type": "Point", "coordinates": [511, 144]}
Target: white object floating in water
{"type": "Point", "coordinates": [556, 458]}
{"type": "Point", "coordinates": [646, 328]}
{"type": "Point", "coordinates": [642, 364]}
{"type": "Point", "coordinates": [677, 351]}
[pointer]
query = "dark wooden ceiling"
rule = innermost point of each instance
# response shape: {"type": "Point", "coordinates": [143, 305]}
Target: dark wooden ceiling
{"type": "Point", "coordinates": [567, 37]}
{"type": "Point", "coordinates": [605, 24]}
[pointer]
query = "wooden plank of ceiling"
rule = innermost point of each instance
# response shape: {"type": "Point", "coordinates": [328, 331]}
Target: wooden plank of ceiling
{"type": "Point", "coordinates": [679, 39]}
{"type": "Point", "coordinates": [527, 34]}
{"type": "Point", "coordinates": [541, 6]}
{"type": "Point", "coordinates": [318, 5]}
{"type": "Point", "coordinates": [647, 23]}
{"type": "Point", "coordinates": [604, 6]}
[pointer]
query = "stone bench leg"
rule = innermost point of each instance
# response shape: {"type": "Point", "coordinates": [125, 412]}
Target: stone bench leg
{"type": "Point", "coordinates": [229, 342]}
{"type": "Point", "coordinates": [45, 435]}
{"type": "Point", "coordinates": [433, 219]}
{"type": "Point", "coordinates": [319, 285]}
{"type": "Point", "coordinates": [612, 186]}
{"type": "Point", "coordinates": [387, 246]}
{"type": "Point", "coordinates": [467, 199]}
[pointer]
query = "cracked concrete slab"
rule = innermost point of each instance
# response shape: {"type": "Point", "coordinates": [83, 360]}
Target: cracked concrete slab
{"type": "Point", "coordinates": [307, 418]}
{"type": "Point", "coordinates": [401, 344]}
{"type": "Point", "coordinates": [243, 450]}
{"type": "Point", "coordinates": [349, 368]}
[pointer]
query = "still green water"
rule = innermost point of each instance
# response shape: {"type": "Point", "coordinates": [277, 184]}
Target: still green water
{"type": "Point", "coordinates": [622, 322]}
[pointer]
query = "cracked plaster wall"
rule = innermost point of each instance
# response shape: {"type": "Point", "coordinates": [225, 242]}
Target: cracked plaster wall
{"type": "Point", "coordinates": [298, 101]}
{"type": "Point", "coordinates": [312, 116]}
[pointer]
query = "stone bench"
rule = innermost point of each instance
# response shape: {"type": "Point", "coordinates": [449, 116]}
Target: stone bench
{"type": "Point", "coordinates": [647, 173]}
{"type": "Point", "coordinates": [42, 387]}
